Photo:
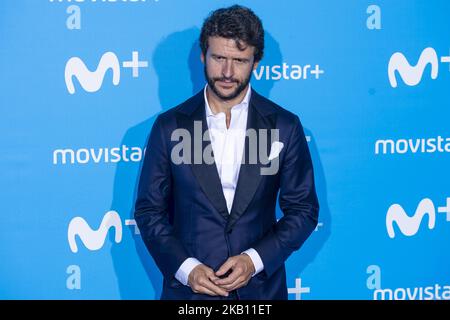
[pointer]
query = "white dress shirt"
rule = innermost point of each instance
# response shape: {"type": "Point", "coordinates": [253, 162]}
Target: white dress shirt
{"type": "Point", "coordinates": [228, 148]}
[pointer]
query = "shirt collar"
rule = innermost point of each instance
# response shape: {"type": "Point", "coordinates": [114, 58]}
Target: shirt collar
{"type": "Point", "coordinates": [243, 103]}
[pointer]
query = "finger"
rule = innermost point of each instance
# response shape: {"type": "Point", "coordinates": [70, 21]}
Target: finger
{"type": "Point", "coordinates": [231, 277]}
{"type": "Point", "coordinates": [240, 282]}
{"type": "Point", "coordinates": [211, 275]}
{"type": "Point", "coordinates": [225, 267]}
{"type": "Point", "coordinates": [205, 290]}
{"type": "Point", "coordinates": [212, 287]}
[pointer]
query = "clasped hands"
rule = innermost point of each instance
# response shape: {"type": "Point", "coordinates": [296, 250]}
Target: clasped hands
{"type": "Point", "coordinates": [203, 279]}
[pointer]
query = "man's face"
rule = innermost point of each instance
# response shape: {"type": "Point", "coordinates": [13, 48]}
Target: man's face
{"type": "Point", "coordinates": [227, 69]}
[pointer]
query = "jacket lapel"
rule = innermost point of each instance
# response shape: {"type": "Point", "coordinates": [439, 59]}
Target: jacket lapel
{"type": "Point", "coordinates": [260, 117]}
{"type": "Point", "coordinates": [206, 174]}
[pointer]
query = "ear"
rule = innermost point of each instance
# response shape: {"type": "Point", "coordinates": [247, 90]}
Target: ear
{"type": "Point", "coordinates": [202, 57]}
{"type": "Point", "coordinates": [255, 65]}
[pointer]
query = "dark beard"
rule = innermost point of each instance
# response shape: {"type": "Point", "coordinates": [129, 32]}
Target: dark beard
{"type": "Point", "coordinates": [241, 85]}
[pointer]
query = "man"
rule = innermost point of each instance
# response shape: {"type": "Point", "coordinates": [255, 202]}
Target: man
{"type": "Point", "coordinates": [211, 225]}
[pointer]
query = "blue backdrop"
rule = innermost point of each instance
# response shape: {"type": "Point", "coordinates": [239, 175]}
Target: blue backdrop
{"type": "Point", "coordinates": [81, 83]}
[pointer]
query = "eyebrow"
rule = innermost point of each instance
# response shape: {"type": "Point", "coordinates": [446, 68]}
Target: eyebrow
{"type": "Point", "coordinates": [237, 58]}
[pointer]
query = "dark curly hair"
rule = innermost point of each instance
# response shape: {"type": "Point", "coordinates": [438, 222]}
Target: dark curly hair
{"type": "Point", "coordinates": [235, 22]}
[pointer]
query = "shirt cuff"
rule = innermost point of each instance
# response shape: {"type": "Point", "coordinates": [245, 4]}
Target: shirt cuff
{"type": "Point", "coordinates": [256, 259]}
{"type": "Point", "coordinates": [185, 269]}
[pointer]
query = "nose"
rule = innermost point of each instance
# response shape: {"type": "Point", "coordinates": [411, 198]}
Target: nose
{"type": "Point", "coordinates": [227, 69]}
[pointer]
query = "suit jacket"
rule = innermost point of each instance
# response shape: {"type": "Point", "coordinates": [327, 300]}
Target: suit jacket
{"type": "Point", "coordinates": [181, 210]}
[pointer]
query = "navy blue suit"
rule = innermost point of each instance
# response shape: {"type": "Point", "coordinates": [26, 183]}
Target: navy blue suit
{"type": "Point", "coordinates": [181, 210]}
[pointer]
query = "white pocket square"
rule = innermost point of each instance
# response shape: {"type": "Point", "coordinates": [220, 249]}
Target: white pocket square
{"type": "Point", "coordinates": [275, 149]}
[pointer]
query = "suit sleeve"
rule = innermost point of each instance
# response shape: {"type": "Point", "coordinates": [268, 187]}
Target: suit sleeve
{"type": "Point", "coordinates": [152, 203]}
{"type": "Point", "coordinates": [298, 202]}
